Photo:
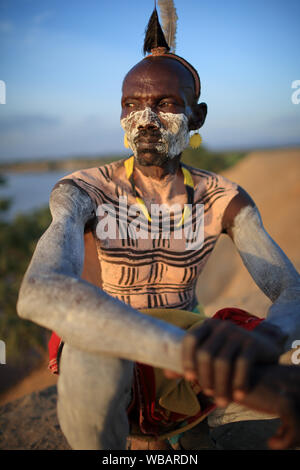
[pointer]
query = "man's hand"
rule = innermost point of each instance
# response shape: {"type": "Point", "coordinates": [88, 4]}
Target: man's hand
{"type": "Point", "coordinates": [221, 355]}
{"type": "Point", "coordinates": [275, 390]}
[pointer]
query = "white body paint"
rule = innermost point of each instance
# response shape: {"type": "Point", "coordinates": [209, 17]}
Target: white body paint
{"type": "Point", "coordinates": [174, 132]}
{"type": "Point", "coordinates": [272, 271]}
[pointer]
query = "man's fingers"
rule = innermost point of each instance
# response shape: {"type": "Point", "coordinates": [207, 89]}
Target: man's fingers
{"type": "Point", "coordinates": [190, 342]}
{"type": "Point", "coordinates": [223, 372]}
{"type": "Point", "coordinates": [206, 360]}
{"type": "Point", "coordinates": [243, 367]}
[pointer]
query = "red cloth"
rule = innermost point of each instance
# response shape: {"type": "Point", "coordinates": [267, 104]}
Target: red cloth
{"type": "Point", "coordinates": [54, 347]}
{"type": "Point", "coordinates": [238, 317]}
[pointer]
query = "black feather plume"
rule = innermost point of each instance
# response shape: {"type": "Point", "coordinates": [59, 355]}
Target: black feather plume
{"type": "Point", "coordinates": [154, 36]}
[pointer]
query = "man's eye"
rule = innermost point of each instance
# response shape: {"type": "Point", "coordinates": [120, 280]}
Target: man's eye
{"type": "Point", "coordinates": [167, 104]}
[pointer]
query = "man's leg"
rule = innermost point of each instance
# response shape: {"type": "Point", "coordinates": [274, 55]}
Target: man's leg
{"type": "Point", "coordinates": [239, 428]}
{"type": "Point", "coordinates": [93, 395]}
{"type": "Point", "coordinates": [234, 428]}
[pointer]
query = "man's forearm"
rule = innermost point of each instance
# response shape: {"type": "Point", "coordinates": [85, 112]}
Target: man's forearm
{"type": "Point", "coordinates": [89, 319]}
{"type": "Point", "coordinates": [272, 271]}
{"type": "Point", "coordinates": [285, 313]}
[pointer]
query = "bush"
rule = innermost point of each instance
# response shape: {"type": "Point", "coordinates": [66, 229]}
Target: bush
{"type": "Point", "coordinates": [211, 161]}
{"type": "Point", "coordinates": [24, 339]}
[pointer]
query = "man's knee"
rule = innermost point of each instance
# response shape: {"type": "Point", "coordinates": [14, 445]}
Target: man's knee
{"type": "Point", "coordinates": [93, 395]}
{"type": "Point", "coordinates": [244, 435]}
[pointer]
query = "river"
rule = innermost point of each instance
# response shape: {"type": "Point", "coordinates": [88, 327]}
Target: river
{"type": "Point", "coordinates": [29, 190]}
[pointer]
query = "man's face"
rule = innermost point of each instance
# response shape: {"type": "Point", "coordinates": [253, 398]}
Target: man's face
{"type": "Point", "coordinates": [156, 108]}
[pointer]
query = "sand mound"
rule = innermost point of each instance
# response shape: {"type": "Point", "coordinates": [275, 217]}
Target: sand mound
{"type": "Point", "coordinates": [31, 423]}
{"type": "Point", "coordinates": [272, 178]}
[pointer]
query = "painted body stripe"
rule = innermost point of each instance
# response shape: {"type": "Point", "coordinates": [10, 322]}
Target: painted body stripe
{"type": "Point", "coordinates": [156, 272]}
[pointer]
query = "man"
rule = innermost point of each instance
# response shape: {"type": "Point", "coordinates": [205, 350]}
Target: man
{"type": "Point", "coordinates": [107, 340]}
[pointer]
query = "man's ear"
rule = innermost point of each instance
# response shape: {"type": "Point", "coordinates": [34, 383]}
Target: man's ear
{"type": "Point", "coordinates": [198, 117]}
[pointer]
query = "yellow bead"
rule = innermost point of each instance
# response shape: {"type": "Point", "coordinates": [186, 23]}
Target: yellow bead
{"type": "Point", "coordinates": [126, 141]}
{"type": "Point", "coordinates": [195, 141]}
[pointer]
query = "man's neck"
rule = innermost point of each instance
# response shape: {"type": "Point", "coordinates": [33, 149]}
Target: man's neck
{"type": "Point", "coordinates": [160, 184]}
{"type": "Point", "coordinates": [159, 173]}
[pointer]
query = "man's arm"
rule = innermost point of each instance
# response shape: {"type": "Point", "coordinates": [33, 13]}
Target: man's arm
{"type": "Point", "coordinates": [270, 268]}
{"type": "Point", "coordinates": [221, 355]}
{"type": "Point", "coordinates": [53, 295]}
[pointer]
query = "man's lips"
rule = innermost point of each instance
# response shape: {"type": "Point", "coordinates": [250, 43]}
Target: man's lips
{"type": "Point", "coordinates": [151, 140]}
{"type": "Point", "coordinates": [148, 139]}
{"type": "Point", "coordinates": [145, 144]}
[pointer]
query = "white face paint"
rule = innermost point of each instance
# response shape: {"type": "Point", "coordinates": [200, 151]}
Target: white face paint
{"type": "Point", "coordinates": [174, 132]}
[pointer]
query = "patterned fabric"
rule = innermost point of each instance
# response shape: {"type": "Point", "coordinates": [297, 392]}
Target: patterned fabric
{"type": "Point", "coordinates": [153, 272]}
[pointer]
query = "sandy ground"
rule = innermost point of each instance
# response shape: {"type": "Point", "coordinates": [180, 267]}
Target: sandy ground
{"type": "Point", "coordinates": [272, 178]}
{"type": "Point", "coordinates": [36, 380]}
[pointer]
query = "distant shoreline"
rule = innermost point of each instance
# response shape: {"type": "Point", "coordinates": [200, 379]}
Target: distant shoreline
{"type": "Point", "coordinates": [68, 165]}
{"type": "Point", "coordinates": [77, 163]}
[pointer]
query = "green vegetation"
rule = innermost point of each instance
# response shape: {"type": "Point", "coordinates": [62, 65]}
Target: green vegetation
{"type": "Point", "coordinates": [68, 165]}
{"type": "Point", "coordinates": [24, 340]}
{"type": "Point", "coordinates": [199, 158]}
{"type": "Point", "coordinates": [211, 161]}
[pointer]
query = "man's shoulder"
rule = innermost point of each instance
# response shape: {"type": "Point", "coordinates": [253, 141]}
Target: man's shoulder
{"type": "Point", "coordinates": [104, 172]}
{"type": "Point", "coordinates": [210, 178]}
{"type": "Point", "coordinates": [97, 182]}
{"type": "Point", "coordinates": [97, 175]}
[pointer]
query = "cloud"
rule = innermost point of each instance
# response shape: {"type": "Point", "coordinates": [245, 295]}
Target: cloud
{"type": "Point", "coordinates": [26, 122]}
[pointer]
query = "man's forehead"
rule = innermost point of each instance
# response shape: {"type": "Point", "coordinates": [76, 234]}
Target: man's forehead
{"type": "Point", "coordinates": [145, 83]}
{"type": "Point", "coordinates": [150, 77]}
{"type": "Point", "coordinates": [155, 92]}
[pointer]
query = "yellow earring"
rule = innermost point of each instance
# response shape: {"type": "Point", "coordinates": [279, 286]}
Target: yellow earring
{"type": "Point", "coordinates": [195, 140]}
{"type": "Point", "coordinates": [126, 141]}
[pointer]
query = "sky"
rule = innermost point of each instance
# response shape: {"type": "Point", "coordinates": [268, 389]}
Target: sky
{"type": "Point", "coordinates": [63, 62]}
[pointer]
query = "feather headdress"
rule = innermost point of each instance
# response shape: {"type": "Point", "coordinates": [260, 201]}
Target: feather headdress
{"type": "Point", "coordinates": [155, 38]}
{"type": "Point", "coordinates": [169, 22]}
{"type": "Point", "coordinates": [165, 36]}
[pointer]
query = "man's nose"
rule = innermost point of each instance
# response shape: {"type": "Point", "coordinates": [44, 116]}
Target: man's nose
{"type": "Point", "coordinates": [148, 119]}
